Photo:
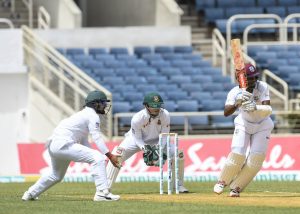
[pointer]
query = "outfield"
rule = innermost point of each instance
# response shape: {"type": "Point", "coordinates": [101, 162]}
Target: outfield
{"type": "Point", "coordinates": [260, 197]}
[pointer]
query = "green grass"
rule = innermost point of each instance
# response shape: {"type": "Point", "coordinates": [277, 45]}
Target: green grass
{"type": "Point", "coordinates": [143, 198]}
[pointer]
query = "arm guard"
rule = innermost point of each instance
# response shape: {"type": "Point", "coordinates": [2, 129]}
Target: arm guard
{"type": "Point", "coordinates": [264, 110]}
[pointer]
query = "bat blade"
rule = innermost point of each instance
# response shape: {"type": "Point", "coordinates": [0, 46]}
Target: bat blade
{"type": "Point", "coordinates": [239, 63]}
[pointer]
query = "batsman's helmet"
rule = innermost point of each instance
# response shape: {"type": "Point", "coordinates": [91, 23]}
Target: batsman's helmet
{"type": "Point", "coordinates": [96, 96]}
{"type": "Point", "coordinates": [251, 71]}
{"type": "Point", "coordinates": [153, 100]}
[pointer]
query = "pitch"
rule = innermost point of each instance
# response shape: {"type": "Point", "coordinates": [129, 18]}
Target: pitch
{"type": "Point", "coordinates": [259, 197]}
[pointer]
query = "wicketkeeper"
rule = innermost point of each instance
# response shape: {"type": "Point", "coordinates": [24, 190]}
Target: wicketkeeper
{"type": "Point", "coordinates": [146, 125]}
{"type": "Point", "coordinates": [253, 127]}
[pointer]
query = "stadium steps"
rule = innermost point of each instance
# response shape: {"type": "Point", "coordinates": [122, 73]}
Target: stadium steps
{"type": "Point", "coordinates": [201, 34]}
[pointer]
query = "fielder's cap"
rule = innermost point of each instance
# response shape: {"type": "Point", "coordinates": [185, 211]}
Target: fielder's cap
{"type": "Point", "coordinates": [251, 71]}
{"type": "Point", "coordinates": [94, 96]}
{"type": "Point", "coordinates": [153, 100]}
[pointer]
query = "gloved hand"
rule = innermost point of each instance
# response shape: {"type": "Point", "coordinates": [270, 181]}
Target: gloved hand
{"type": "Point", "coordinates": [249, 106]}
{"type": "Point", "coordinates": [151, 155]}
{"type": "Point", "coordinates": [241, 97]}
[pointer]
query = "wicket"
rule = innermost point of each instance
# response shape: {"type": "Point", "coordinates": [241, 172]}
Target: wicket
{"type": "Point", "coordinates": [168, 137]}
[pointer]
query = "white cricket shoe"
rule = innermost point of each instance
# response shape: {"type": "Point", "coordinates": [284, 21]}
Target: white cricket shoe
{"type": "Point", "coordinates": [234, 193]}
{"type": "Point", "coordinates": [219, 187]}
{"type": "Point", "coordinates": [105, 195]}
{"type": "Point", "coordinates": [182, 189]}
{"type": "Point", "coordinates": [28, 197]}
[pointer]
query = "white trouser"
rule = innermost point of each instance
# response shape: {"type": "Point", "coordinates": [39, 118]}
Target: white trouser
{"type": "Point", "coordinates": [60, 160]}
{"type": "Point", "coordinates": [255, 135]}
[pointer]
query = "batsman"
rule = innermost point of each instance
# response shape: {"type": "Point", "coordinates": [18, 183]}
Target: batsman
{"type": "Point", "coordinates": [253, 127]}
{"type": "Point", "coordinates": [146, 125]}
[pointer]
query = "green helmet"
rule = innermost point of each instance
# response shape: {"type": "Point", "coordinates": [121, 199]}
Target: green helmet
{"type": "Point", "coordinates": [153, 100]}
{"type": "Point", "coordinates": [94, 96]}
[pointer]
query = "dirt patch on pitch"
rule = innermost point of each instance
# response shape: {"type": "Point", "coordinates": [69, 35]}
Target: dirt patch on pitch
{"type": "Point", "coordinates": [268, 199]}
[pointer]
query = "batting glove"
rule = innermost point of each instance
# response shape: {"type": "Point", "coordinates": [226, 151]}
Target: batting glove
{"type": "Point", "coordinates": [249, 106]}
{"type": "Point", "coordinates": [242, 97]}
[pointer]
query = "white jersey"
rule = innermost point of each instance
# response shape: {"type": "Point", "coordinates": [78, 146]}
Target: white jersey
{"type": "Point", "coordinates": [77, 128]}
{"type": "Point", "coordinates": [146, 130]}
{"type": "Point", "coordinates": [260, 94]}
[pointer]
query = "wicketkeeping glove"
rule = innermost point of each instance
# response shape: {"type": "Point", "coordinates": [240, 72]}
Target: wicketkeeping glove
{"type": "Point", "coordinates": [242, 97]}
{"type": "Point", "coordinates": [249, 106]}
{"type": "Point", "coordinates": [151, 155]}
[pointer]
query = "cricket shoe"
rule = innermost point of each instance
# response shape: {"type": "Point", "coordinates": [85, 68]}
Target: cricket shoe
{"type": "Point", "coordinates": [105, 195]}
{"type": "Point", "coordinates": [219, 187]}
{"type": "Point", "coordinates": [182, 189]}
{"type": "Point", "coordinates": [28, 197]}
{"type": "Point", "coordinates": [234, 193]}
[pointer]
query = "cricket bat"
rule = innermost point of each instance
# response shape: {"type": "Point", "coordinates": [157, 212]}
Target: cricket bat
{"type": "Point", "coordinates": [239, 63]}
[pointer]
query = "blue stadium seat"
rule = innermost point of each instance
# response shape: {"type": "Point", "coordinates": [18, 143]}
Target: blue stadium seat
{"type": "Point", "coordinates": [125, 72]}
{"type": "Point", "coordinates": [279, 10]}
{"type": "Point", "coordinates": [191, 71]}
{"type": "Point", "coordinates": [266, 3]}
{"type": "Point", "coordinates": [79, 57]}
{"type": "Point", "coordinates": [114, 64]}
{"type": "Point", "coordinates": [293, 9]}
{"type": "Point", "coordinates": [132, 96]}
{"type": "Point", "coordinates": [220, 95]}
{"type": "Point", "coordinates": [211, 71]}
{"type": "Point", "coordinates": [227, 3]}
{"type": "Point", "coordinates": [140, 50]}
{"type": "Point", "coordinates": [265, 21]}
{"type": "Point", "coordinates": [135, 79]}
{"type": "Point", "coordinates": [287, 54]}
{"type": "Point", "coordinates": [221, 79]}
{"type": "Point", "coordinates": [172, 56]}
{"type": "Point", "coordinates": [277, 48]}
{"type": "Point", "coordinates": [187, 105]}
{"type": "Point", "coordinates": [105, 57]}
{"type": "Point", "coordinates": [116, 96]}
{"type": "Point", "coordinates": [254, 10]}
{"type": "Point", "coordinates": [118, 50]}
{"type": "Point", "coordinates": [228, 86]}
{"type": "Point", "coordinates": [157, 79]}
{"type": "Point", "coordinates": [212, 86]}
{"type": "Point", "coordinates": [247, 3]}
{"type": "Point", "coordinates": [126, 57]}
{"type": "Point", "coordinates": [201, 4]}
{"type": "Point", "coordinates": [183, 49]}
{"type": "Point", "coordinates": [145, 88]}
{"type": "Point", "coordinates": [113, 80]}
{"type": "Point", "coordinates": [219, 121]}
{"type": "Point", "coordinates": [137, 63]}
{"type": "Point", "coordinates": [179, 79]}
{"type": "Point", "coordinates": [120, 106]}
{"type": "Point", "coordinates": [191, 87]}
{"type": "Point", "coordinates": [181, 63]}
{"type": "Point", "coordinates": [200, 96]}
{"type": "Point", "coordinates": [163, 49]}
{"type": "Point", "coordinates": [167, 87]}
{"type": "Point", "coordinates": [201, 63]}
{"type": "Point", "coordinates": [159, 64]}
{"type": "Point", "coordinates": [287, 2]}
{"type": "Point", "coordinates": [177, 121]}
{"type": "Point", "coordinates": [170, 71]}
{"type": "Point", "coordinates": [212, 105]}
{"type": "Point", "coordinates": [170, 105]}
{"type": "Point", "coordinates": [230, 11]}
{"type": "Point", "coordinates": [201, 78]}
{"type": "Point", "coordinates": [294, 79]}
{"type": "Point", "coordinates": [146, 71]}
{"type": "Point", "coordinates": [293, 47]}
{"type": "Point", "coordinates": [212, 14]}
{"type": "Point", "coordinates": [199, 120]}
{"type": "Point", "coordinates": [137, 106]}
{"type": "Point", "coordinates": [177, 95]}
{"type": "Point", "coordinates": [151, 57]}
{"type": "Point", "coordinates": [123, 87]}
{"type": "Point", "coordinates": [95, 51]}
{"type": "Point", "coordinates": [241, 24]}
{"type": "Point", "coordinates": [192, 56]}
{"type": "Point", "coordinates": [74, 51]}
{"type": "Point", "coordinates": [221, 25]}
{"type": "Point", "coordinates": [92, 64]}
{"type": "Point", "coordinates": [104, 72]}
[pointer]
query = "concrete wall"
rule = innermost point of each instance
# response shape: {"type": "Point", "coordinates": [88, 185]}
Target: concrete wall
{"type": "Point", "coordinates": [117, 37]}
{"type": "Point", "coordinates": [64, 13]}
{"type": "Point", "coordinates": [14, 119]}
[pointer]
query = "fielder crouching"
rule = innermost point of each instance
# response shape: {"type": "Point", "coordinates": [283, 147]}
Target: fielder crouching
{"type": "Point", "coordinates": [146, 125]}
{"type": "Point", "coordinates": [253, 127]}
